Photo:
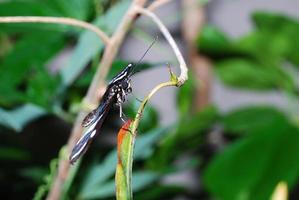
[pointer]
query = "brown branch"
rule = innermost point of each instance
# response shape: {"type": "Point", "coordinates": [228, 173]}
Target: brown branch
{"type": "Point", "coordinates": [193, 20]}
{"type": "Point", "coordinates": [183, 67]}
{"type": "Point", "coordinates": [57, 20]}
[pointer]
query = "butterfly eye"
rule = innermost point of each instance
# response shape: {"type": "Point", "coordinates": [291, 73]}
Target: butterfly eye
{"type": "Point", "coordinates": [124, 85]}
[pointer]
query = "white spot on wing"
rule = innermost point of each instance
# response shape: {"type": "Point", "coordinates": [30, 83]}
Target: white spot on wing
{"type": "Point", "coordinates": [119, 77]}
{"type": "Point", "coordinates": [93, 133]}
{"type": "Point", "coordinates": [79, 151]}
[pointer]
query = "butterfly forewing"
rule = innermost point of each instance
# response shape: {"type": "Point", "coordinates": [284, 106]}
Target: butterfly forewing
{"type": "Point", "coordinates": [91, 117]}
{"type": "Point", "coordinates": [92, 124]}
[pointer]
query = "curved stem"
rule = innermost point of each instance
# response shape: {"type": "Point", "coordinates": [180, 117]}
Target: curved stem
{"type": "Point", "coordinates": [183, 67]}
{"type": "Point", "coordinates": [57, 20]}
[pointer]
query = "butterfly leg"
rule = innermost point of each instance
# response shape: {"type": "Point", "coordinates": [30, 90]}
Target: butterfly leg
{"type": "Point", "coordinates": [120, 100]}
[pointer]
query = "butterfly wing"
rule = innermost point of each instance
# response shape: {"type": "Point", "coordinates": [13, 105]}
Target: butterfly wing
{"type": "Point", "coordinates": [92, 122]}
{"type": "Point", "coordinates": [91, 117]}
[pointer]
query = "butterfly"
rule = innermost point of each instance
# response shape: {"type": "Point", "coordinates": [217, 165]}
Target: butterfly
{"type": "Point", "coordinates": [117, 90]}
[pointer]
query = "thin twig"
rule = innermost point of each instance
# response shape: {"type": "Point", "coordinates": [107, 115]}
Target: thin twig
{"type": "Point", "coordinates": [57, 20]}
{"type": "Point", "coordinates": [193, 21]}
{"type": "Point", "coordinates": [156, 4]}
{"type": "Point", "coordinates": [183, 67]}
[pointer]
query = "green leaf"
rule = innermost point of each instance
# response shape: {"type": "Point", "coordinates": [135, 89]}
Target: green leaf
{"type": "Point", "coordinates": [42, 87]}
{"type": "Point", "coordinates": [160, 191]}
{"type": "Point", "coordinates": [90, 45]}
{"type": "Point", "coordinates": [79, 9]}
{"type": "Point", "coordinates": [12, 153]}
{"type": "Point", "coordinates": [150, 118]}
{"type": "Point", "coordinates": [251, 118]}
{"type": "Point", "coordinates": [143, 178]}
{"type": "Point", "coordinates": [270, 21]}
{"type": "Point", "coordinates": [251, 75]}
{"type": "Point", "coordinates": [34, 173]}
{"type": "Point", "coordinates": [252, 167]}
{"type": "Point", "coordinates": [5, 45]}
{"type": "Point", "coordinates": [140, 179]}
{"type": "Point", "coordinates": [29, 52]}
{"type": "Point", "coordinates": [29, 8]}
{"type": "Point", "coordinates": [281, 26]}
{"type": "Point", "coordinates": [215, 43]}
{"type": "Point", "coordinates": [186, 137]}
{"type": "Point", "coordinates": [25, 8]}
{"type": "Point", "coordinates": [99, 174]}
{"type": "Point", "coordinates": [145, 143]}
{"type": "Point", "coordinates": [19, 117]}
{"type": "Point", "coordinates": [267, 48]}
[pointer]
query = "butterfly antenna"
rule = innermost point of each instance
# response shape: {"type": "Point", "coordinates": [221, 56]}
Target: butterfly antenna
{"type": "Point", "coordinates": [150, 46]}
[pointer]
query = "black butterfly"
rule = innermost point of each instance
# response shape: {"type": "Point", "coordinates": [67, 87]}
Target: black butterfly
{"type": "Point", "coordinates": [117, 90]}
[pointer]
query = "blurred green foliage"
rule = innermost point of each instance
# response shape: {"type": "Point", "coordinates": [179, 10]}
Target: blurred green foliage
{"type": "Point", "coordinates": [261, 142]}
{"type": "Point", "coordinates": [266, 144]}
{"type": "Point", "coordinates": [255, 61]}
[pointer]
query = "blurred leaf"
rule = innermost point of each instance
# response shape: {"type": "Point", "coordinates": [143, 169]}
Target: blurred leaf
{"type": "Point", "coordinates": [251, 75]}
{"type": "Point", "coordinates": [79, 9]}
{"type": "Point", "coordinates": [25, 8]}
{"type": "Point", "coordinates": [145, 143]}
{"type": "Point", "coordinates": [266, 47]}
{"type": "Point", "coordinates": [252, 118]}
{"type": "Point", "coordinates": [99, 174]}
{"type": "Point", "coordinates": [267, 21]}
{"type": "Point", "coordinates": [143, 178]}
{"type": "Point", "coordinates": [158, 191]}
{"type": "Point", "coordinates": [140, 179]}
{"type": "Point", "coordinates": [150, 118]}
{"type": "Point", "coordinates": [5, 45]}
{"type": "Point", "coordinates": [29, 8]}
{"type": "Point", "coordinates": [15, 67]}
{"type": "Point", "coordinates": [19, 117]}
{"type": "Point", "coordinates": [34, 173]}
{"type": "Point", "coordinates": [12, 153]}
{"type": "Point", "coordinates": [90, 45]}
{"type": "Point", "coordinates": [274, 41]}
{"type": "Point", "coordinates": [42, 87]}
{"type": "Point", "coordinates": [282, 26]}
{"type": "Point", "coordinates": [187, 137]}
{"type": "Point", "coordinates": [216, 44]}
{"type": "Point", "coordinates": [252, 167]}
{"type": "Point", "coordinates": [185, 96]}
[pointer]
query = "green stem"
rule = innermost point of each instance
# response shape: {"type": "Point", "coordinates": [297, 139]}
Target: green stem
{"type": "Point", "coordinates": [126, 141]}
